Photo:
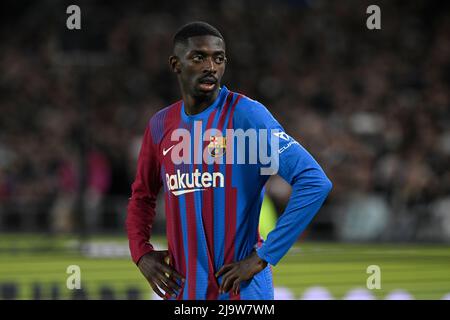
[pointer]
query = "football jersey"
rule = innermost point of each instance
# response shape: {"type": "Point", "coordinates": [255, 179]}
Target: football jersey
{"type": "Point", "coordinates": [212, 167]}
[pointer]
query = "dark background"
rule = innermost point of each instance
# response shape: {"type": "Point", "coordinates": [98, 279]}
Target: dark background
{"type": "Point", "coordinates": [372, 106]}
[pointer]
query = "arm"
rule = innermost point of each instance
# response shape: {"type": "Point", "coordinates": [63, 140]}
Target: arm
{"type": "Point", "coordinates": [141, 205]}
{"type": "Point", "coordinates": [140, 217]}
{"type": "Point", "coordinates": [310, 187]}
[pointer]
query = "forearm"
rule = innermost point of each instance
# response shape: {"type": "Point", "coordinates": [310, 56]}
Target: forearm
{"type": "Point", "coordinates": [140, 213]}
{"type": "Point", "coordinates": [309, 191]}
{"type": "Point", "coordinates": [142, 203]}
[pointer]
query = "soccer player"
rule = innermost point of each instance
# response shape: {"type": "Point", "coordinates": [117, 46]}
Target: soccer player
{"type": "Point", "coordinates": [212, 208]}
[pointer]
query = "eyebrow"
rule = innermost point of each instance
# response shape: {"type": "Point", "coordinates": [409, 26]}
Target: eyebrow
{"type": "Point", "coordinates": [205, 52]}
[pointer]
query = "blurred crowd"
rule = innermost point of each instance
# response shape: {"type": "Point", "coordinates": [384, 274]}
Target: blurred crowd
{"type": "Point", "coordinates": [372, 106]}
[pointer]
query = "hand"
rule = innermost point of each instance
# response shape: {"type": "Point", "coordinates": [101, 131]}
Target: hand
{"type": "Point", "coordinates": [236, 272]}
{"type": "Point", "coordinates": [159, 273]}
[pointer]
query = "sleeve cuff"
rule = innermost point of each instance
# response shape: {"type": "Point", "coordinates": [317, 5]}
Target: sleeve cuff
{"type": "Point", "coordinates": [261, 252]}
{"type": "Point", "coordinates": [136, 256]}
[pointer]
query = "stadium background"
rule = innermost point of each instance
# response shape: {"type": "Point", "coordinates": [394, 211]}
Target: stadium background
{"type": "Point", "coordinates": [373, 107]}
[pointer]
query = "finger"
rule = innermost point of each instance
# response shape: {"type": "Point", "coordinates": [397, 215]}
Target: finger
{"type": "Point", "coordinates": [172, 284]}
{"type": "Point", "coordinates": [227, 282]}
{"type": "Point", "coordinates": [164, 256]}
{"type": "Point", "coordinates": [164, 287]}
{"type": "Point", "coordinates": [156, 289]}
{"type": "Point", "coordinates": [169, 290]}
{"type": "Point", "coordinates": [236, 286]}
{"type": "Point", "coordinates": [223, 270]}
{"type": "Point", "coordinates": [226, 273]}
{"type": "Point", "coordinates": [171, 272]}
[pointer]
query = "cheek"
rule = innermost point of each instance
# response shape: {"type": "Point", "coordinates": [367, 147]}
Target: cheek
{"type": "Point", "coordinates": [221, 70]}
{"type": "Point", "coordinates": [191, 74]}
{"type": "Point", "coordinates": [188, 76]}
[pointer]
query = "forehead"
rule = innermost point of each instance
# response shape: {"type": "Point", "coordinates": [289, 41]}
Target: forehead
{"type": "Point", "coordinates": [205, 43]}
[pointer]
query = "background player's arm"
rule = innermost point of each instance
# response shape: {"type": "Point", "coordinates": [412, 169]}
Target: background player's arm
{"type": "Point", "coordinates": [140, 216]}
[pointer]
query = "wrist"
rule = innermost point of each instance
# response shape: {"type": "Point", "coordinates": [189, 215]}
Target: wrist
{"type": "Point", "coordinates": [138, 263]}
{"type": "Point", "coordinates": [259, 261]}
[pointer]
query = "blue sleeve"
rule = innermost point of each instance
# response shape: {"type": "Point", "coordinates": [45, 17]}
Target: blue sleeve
{"type": "Point", "coordinates": [310, 186]}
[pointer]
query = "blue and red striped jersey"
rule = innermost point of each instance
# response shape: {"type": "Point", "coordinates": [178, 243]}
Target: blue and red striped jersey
{"type": "Point", "coordinates": [212, 207]}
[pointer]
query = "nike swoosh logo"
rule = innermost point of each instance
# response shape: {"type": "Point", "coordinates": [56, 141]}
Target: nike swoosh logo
{"type": "Point", "coordinates": [180, 192]}
{"type": "Point", "coordinates": [165, 151]}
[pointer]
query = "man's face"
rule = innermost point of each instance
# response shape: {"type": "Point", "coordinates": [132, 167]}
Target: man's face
{"type": "Point", "coordinates": [200, 64]}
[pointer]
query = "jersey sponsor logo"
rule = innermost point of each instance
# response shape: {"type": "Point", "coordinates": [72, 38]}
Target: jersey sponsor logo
{"type": "Point", "coordinates": [286, 137]}
{"type": "Point", "coordinates": [282, 135]}
{"type": "Point", "coordinates": [283, 148]}
{"type": "Point", "coordinates": [181, 183]}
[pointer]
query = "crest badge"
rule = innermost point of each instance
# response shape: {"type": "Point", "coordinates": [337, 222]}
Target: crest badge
{"type": "Point", "coordinates": [217, 146]}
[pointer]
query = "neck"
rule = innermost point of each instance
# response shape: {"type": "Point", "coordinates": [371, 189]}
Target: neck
{"type": "Point", "coordinates": [196, 104]}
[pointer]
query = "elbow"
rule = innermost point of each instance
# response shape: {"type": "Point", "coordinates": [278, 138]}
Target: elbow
{"type": "Point", "coordinates": [326, 186]}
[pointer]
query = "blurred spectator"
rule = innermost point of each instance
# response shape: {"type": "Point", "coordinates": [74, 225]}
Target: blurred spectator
{"type": "Point", "coordinates": [372, 106]}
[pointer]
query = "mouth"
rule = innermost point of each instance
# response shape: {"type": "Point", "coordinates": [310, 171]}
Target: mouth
{"type": "Point", "coordinates": [207, 83]}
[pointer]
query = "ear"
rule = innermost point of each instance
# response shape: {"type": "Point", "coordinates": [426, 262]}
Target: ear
{"type": "Point", "coordinates": [174, 63]}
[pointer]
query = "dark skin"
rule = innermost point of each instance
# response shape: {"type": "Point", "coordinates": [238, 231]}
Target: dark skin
{"type": "Point", "coordinates": [159, 273]}
{"type": "Point", "coordinates": [234, 273]}
{"type": "Point", "coordinates": [199, 65]}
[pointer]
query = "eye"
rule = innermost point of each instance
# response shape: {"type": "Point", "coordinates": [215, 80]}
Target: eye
{"type": "Point", "coordinates": [197, 58]}
{"type": "Point", "coordinates": [220, 59]}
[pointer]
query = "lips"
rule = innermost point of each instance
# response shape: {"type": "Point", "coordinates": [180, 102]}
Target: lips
{"type": "Point", "coordinates": [207, 83]}
{"type": "Point", "coordinates": [208, 80]}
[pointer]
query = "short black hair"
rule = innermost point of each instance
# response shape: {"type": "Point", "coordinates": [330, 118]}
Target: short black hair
{"type": "Point", "coordinates": [193, 29]}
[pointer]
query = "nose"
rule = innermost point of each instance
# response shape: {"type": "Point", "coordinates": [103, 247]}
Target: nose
{"type": "Point", "coordinates": [210, 66]}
